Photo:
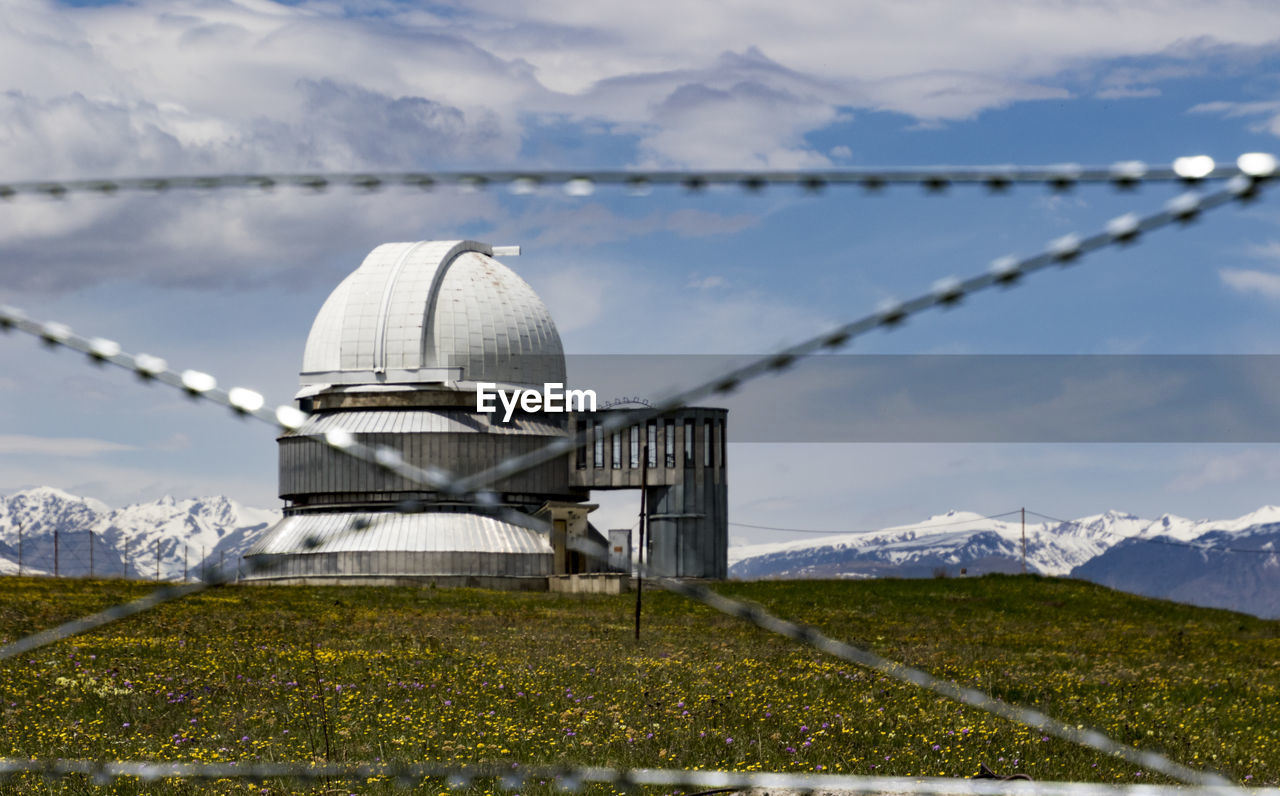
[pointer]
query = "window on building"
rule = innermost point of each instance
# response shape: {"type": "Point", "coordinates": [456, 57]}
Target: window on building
{"type": "Point", "coordinates": [598, 458]}
{"type": "Point", "coordinates": [670, 442]}
{"type": "Point", "coordinates": [706, 443]}
{"type": "Point", "coordinates": [688, 442]}
{"type": "Point", "coordinates": [651, 460]}
{"type": "Point", "coordinates": [724, 444]}
{"type": "Point", "coordinates": [617, 450]}
{"type": "Point", "coordinates": [635, 447]}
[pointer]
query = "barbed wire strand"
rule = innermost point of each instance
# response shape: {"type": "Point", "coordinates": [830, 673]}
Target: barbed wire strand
{"type": "Point", "coordinates": [934, 179]}
{"type": "Point", "coordinates": [513, 776]}
{"type": "Point", "coordinates": [1003, 272]}
{"type": "Point", "coordinates": [946, 293]}
{"type": "Point", "coordinates": [1006, 271]}
{"type": "Point", "coordinates": [811, 636]}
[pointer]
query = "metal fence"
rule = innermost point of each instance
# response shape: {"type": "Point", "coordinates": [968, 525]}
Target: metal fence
{"type": "Point", "coordinates": [1243, 182]}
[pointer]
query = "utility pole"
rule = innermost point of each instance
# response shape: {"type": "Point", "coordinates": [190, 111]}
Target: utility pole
{"type": "Point", "coordinates": [1024, 540]}
{"type": "Point", "coordinates": [644, 496]}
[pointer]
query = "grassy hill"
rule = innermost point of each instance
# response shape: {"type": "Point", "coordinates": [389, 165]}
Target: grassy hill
{"type": "Point", "coordinates": [413, 675]}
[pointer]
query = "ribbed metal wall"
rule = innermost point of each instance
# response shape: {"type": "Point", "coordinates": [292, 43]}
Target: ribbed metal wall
{"type": "Point", "coordinates": [688, 501]}
{"type": "Point", "coordinates": [689, 519]}
{"type": "Point", "coordinates": [464, 442]}
{"type": "Point", "coordinates": [432, 543]}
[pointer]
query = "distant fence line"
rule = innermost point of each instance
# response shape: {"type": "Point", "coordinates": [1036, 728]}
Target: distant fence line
{"type": "Point", "coordinates": [79, 554]}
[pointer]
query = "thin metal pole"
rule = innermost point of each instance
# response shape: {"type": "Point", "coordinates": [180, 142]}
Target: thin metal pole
{"type": "Point", "coordinates": [1024, 540]}
{"type": "Point", "coordinates": [644, 496]}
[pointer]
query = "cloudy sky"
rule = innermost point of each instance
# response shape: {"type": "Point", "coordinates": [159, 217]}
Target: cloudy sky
{"type": "Point", "coordinates": [228, 281]}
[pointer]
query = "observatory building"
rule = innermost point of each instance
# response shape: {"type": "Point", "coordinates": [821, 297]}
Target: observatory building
{"type": "Point", "coordinates": [394, 357]}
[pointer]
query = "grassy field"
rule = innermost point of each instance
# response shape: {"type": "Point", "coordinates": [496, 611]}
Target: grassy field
{"type": "Point", "coordinates": [414, 675]}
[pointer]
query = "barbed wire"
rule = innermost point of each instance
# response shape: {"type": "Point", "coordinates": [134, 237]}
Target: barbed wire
{"type": "Point", "coordinates": [1007, 272]}
{"type": "Point", "coordinates": [811, 636]}
{"type": "Point", "coordinates": [1004, 272]}
{"type": "Point", "coordinates": [935, 179]}
{"type": "Point", "coordinates": [203, 386]}
{"type": "Point", "coordinates": [513, 776]}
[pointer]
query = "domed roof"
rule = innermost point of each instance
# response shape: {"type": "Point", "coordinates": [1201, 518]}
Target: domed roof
{"type": "Point", "coordinates": [433, 312]}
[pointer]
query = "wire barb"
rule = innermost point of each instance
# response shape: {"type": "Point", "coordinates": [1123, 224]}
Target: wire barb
{"type": "Point", "coordinates": [934, 180]}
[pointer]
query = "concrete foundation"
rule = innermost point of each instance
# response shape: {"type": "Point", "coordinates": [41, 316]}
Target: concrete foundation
{"type": "Point", "coordinates": [590, 583]}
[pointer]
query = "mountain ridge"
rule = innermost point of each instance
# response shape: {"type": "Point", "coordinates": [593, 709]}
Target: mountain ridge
{"type": "Point", "coordinates": [1198, 559]}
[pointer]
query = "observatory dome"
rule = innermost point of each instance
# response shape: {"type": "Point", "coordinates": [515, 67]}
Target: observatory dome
{"type": "Point", "coordinates": [433, 312]}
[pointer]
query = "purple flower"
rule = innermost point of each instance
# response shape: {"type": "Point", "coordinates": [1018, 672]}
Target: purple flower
{"type": "Point", "coordinates": [728, 740]}
{"type": "Point", "coordinates": [936, 747]}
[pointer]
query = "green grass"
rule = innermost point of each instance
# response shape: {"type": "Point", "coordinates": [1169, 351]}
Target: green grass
{"type": "Point", "coordinates": [416, 675]}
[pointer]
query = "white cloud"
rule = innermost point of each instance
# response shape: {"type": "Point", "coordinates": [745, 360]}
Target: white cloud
{"type": "Point", "coordinates": [1228, 468]}
{"type": "Point", "coordinates": [1268, 110]}
{"type": "Point", "coordinates": [1263, 283]}
{"type": "Point", "coordinates": [705, 282]}
{"type": "Point", "coordinates": [1265, 251]}
{"type": "Point", "coordinates": [26, 445]}
{"type": "Point", "coordinates": [217, 84]}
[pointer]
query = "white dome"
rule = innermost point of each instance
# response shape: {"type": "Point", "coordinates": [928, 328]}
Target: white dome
{"type": "Point", "coordinates": [433, 312]}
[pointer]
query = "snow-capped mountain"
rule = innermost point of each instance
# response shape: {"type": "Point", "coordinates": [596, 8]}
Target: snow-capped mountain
{"type": "Point", "coordinates": [1161, 558]}
{"type": "Point", "coordinates": [951, 541]}
{"type": "Point", "coordinates": [169, 539]}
